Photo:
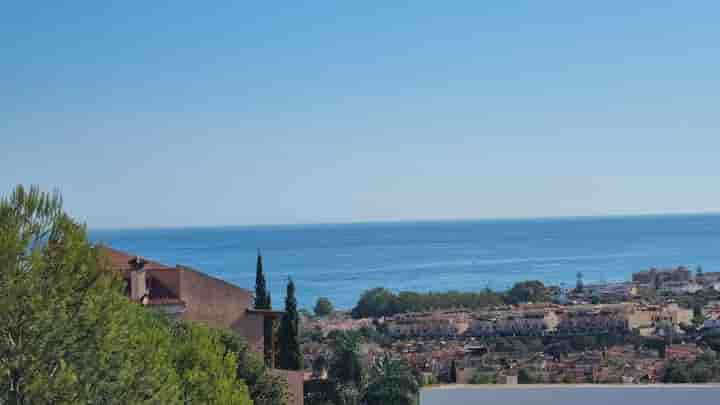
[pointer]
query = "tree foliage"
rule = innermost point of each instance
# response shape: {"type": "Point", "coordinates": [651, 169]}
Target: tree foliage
{"type": "Point", "coordinates": [345, 365]}
{"type": "Point", "coordinates": [68, 334]}
{"type": "Point", "coordinates": [323, 307]}
{"type": "Point", "coordinates": [526, 377]}
{"type": "Point", "coordinates": [483, 377]}
{"type": "Point", "coordinates": [527, 291]}
{"type": "Point", "coordinates": [391, 382]}
{"type": "Point", "coordinates": [379, 302]}
{"type": "Point", "coordinates": [207, 372]}
{"type": "Point", "coordinates": [263, 300]}
{"type": "Point", "coordinates": [290, 351]}
{"type": "Point", "coordinates": [704, 369]}
{"type": "Point", "coordinates": [266, 387]}
{"type": "Point", "coordinates": [676, 373]}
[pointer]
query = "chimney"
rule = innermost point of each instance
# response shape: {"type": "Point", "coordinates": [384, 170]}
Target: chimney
{"type": "Point", "coordinates": [138, 280]}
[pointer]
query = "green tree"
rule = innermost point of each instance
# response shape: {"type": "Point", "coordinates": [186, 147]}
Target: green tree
{"type": "Point", "coordinates": [345, 365]}
{"type": "Point", "coordinates": [262, 298]}
{"type": "Point", "coordinates": [483, 377]}
{"type": "Point", "coordinates": [208, 374]}
{"type": "Point", "coordinates": [698, 318]}
{"type": "Point", "coordinates": [266, 387]}
{"type": "Point", "coordinates": [375, 302]}
{"type": "Point", "coordinates": [391, 382]}
{"type": "Point", "coordinates": [676, 373]}
{"type": "Point", "coordinates": [347, 394]}
{"type": "Point", "coordinates": [133, 348]}
{"type": "Point", "coordinates": [527, 291]}
{"type": "Point", "coordinates": [290, 351]}
{"type": "Point", "coordinates": [526, 377]}
{"type": "Point", "coordinates": [67, 334]}
{"type": "Point", "coordinates": [700, 373]}
{"type": "Point", "coordinates": [264, 301]}
{"type": "Point", "coordinates": [323, 307]}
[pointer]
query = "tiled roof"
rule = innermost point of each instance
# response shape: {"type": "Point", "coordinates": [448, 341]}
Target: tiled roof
{"type": "Point", "coordinates": [163, 290]}
{"type": "Point", "coordinates": [121, 261]}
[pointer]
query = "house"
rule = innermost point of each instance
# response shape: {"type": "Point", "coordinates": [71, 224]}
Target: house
{"type": "Point", "coordinates": [656, 278]}
{"type": "Point", "coordinates": [432, 324]}
{"type": "Point", "coordinates": [515, 323]}
{"type": "Point", "coordinates": [676, 315]}
{"type": "Point", "coordinates": [194, 296]}
{"type": "Point", "coordinates": [680, 287]}
{"type": "Point", "coordinates": [191, 295]}
{"type": "Point", "coordinates": [708, 279]}
{"type": "Point", "coordinates": [687, 352]}
{"type": "Point", "coordinates": [618, 291]}
{"type": "Point", "coordinates": [599, 318]}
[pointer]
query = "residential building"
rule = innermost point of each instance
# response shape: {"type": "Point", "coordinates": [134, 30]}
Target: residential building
{"type": "Point", "coordinates": [429, 324]}
{"type": "Point", "coordinates": [194, 296]}
{"type": "Point", "coordinates": [656, 278]}
{"type": "Point", "coordinates": [688, 352]}
{"type": "Point", "coordinates": [708, 279]}
{"type": "Point", "coordinates": [679, 287]}
{"type": "Point", "coordinates": [595, 318]}
{"type": "Point", "coordinates": [515, 323]}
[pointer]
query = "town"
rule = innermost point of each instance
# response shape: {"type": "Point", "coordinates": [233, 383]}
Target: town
{"type": "Point", "coordinates": [662, 326]}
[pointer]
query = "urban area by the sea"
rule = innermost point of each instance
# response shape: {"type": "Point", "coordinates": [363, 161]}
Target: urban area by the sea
{"type": "Point", "coordinates": [617, 300]}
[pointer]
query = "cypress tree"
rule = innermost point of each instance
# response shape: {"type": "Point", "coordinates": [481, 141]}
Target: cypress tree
{"type": "Point", "coordinates": [453, 372]}
{"type": "Point", "coordinates": [262, 300]}
{"type": "Point", "coordinates": [290, 352]}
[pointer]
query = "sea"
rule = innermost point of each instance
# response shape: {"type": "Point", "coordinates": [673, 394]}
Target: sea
{"type": "Point", "coordinates": [340, 261]}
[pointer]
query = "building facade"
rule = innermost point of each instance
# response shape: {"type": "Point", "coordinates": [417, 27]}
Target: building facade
{"type": "Point", "coordinates": [194, 296]}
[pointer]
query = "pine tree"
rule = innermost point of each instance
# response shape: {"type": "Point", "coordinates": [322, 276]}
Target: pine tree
{"type": "Point", "coordinates": [290, 352]}
{"type": "Point", "coordinates": [453, 372]}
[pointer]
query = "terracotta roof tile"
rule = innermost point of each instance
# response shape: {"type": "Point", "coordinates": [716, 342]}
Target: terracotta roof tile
{"type": "Point", "coordinates": [121, 260]}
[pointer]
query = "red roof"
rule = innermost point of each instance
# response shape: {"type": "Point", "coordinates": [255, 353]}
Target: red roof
{"type": "Point", "coordinates": [162, 290]}
{"type": "Point", "coordinates": [121, 261]}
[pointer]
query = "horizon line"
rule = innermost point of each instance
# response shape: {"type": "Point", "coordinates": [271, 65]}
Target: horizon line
{"type": "Point", "coordinates": [416, 221]}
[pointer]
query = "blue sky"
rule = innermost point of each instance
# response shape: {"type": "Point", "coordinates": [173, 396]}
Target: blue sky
{"type": "Point", "coordinates": [186, 113]}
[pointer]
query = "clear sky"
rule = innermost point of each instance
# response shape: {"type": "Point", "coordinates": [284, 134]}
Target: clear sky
{"type": "Point", "coordinates": [150, 113]}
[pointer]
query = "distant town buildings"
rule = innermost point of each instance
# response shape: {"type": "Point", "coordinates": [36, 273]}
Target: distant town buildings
{"type": "Point", "coordinates": [656, 278]}
{"type": "Point", "coordinates": [431, 324]}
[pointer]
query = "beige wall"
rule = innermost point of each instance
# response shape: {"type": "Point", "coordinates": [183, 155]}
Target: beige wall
{"type": "Point", "coordinates": [464, 375]}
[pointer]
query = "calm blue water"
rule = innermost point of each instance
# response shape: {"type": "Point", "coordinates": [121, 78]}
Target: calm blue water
{"type": "Point", "coordinates": [341, 260]}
